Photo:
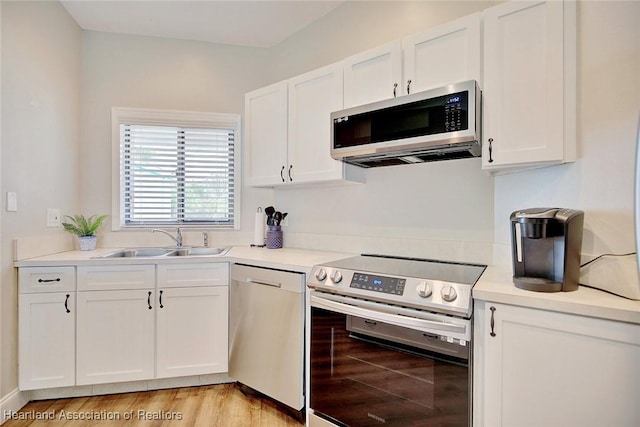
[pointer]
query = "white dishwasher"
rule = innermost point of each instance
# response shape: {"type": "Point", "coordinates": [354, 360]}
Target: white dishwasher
{"type": "Point", "coordinates": [266, 332]}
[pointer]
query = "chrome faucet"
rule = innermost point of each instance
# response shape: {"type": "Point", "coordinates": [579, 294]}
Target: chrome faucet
{"type": "Point", "coordinates": [177, 238]}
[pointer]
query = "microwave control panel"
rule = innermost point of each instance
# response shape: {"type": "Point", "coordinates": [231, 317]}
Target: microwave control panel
{"type": "Point", "coordinates": [454, 109]}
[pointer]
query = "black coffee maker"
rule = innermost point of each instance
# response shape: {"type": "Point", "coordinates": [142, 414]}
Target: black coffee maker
{"type": "Point", "coordinates": [546, 245]}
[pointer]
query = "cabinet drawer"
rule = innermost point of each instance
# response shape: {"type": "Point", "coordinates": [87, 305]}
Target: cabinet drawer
{"type": "Point", "coordinates": [46, 279]}
{"type": "Point", "coordinates": [116, 277]}
{"type": "Point", "coordinates": [190, 275]}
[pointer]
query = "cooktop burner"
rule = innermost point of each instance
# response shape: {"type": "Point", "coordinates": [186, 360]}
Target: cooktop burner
{"type": "Point", "coordinates": [426, 284]}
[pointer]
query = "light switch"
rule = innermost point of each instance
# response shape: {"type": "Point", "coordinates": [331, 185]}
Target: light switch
{"type": "Point", "coordinates": [12, 201]}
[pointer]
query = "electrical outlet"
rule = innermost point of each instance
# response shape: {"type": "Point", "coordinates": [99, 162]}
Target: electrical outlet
{"type": "Point", "coordinates": [53, 217]}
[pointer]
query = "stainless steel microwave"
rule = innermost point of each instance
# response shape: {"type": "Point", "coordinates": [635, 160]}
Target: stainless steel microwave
{"type": "Point", "coordinates": [437, 124]}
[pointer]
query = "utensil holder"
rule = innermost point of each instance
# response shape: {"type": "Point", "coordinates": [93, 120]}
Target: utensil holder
{"type": "Point", "coordinates": [274, 237]}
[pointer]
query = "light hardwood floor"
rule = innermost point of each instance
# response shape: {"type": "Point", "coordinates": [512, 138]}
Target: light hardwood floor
{"type": "Point", "coordinates": [217, 405]}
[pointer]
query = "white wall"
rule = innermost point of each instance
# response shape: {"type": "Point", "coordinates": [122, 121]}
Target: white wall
{"type": "Point", "coordinates": [40, 139]}
{"type": "Point", "coordinates": [149, 72]}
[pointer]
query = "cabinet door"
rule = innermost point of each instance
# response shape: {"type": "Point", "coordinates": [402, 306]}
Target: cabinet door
{"type": "Point", "coordinates": [373, 75]}
{"type": "Point", "coordinates": [115, 336]}
{"type": "Point", "coordinates": [529, 57]}
{"type": "Point", "coordinates": [446, 54]}
{"type": "Point", "coordinates": [266, 135]}
{"type": "Point", "coordinates": [544, 368]}
{"type": "Point", "coordinates": [192, 331]}
{"type": "Point", "coordinates": [46, 340]}
{"type": "Point", "coordinates": [312, 98]}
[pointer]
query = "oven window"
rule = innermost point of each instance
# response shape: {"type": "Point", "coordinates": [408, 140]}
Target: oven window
{"type": "Point", "coordinates": [362, 381]}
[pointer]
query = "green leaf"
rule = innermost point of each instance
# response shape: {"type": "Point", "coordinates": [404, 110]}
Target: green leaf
{"type": "Point", "coordinates": [81, 226]}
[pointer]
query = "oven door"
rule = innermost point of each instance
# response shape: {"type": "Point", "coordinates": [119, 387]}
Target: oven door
{"type": "Point", "coordinates": [369, 372]}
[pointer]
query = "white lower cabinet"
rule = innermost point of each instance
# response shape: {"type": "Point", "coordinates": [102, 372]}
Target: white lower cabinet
{"type": "Point", "coordinates": [47, 340]}
{"type": "Point", "coordinates": [540, 368]}
{"type": "Point", "coordinates": [192, 319]}
{"type": "Point", "coordinates": [115, 336]}
{"type": "Point", "coordinates": [121, 323]}
{"type": "Point", "coordinates": [46, 327]}
{"type": "Point", "coordinates": [192, 331]}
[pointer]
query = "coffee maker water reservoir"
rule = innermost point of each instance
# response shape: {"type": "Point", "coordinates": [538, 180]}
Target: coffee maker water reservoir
{"type": "Point", "coordinates": [546, 246]}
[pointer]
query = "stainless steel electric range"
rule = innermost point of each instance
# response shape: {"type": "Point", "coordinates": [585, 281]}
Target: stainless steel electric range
{"type": "Point", "coordinates": [390, 342]}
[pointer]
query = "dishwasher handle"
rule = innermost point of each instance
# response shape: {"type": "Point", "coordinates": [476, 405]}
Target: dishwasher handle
{"type": "Point", "coordinates": [263, 282]}
{"type": "Point", "coordinates": [268, 278]}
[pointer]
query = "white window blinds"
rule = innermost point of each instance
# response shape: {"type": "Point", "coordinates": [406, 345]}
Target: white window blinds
{"type": "Point", "coordinates": [176, 175]}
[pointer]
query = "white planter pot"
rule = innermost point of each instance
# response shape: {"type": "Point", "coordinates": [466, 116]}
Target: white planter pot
{"type": "Point", "coordinates": [87, 243]}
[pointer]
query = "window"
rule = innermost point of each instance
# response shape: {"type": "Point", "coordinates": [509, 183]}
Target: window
{"type": "Point", "coordinates": [174, 168]}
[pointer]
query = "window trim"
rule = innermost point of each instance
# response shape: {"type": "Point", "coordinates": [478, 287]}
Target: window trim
{"type": "Point", "coordinates": [146, 116]}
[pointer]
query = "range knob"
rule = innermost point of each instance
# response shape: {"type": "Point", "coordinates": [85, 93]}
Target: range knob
{"type": "Point", "coordinates": [321, 274]}
{"type": "Point", "coordinates": [424, 289]}
{"type": "Point", "coordinates": [448, 293]}
{"type": "Point", "coordinates": [336, 277]}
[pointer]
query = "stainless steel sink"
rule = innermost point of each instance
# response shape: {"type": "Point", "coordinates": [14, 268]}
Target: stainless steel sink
{"type": "Point", "coordinates": [162, 252]}
{"type": "Point", "coordinates": [197, 251]}
{"type": "Point", "coordinates": [136, 253]}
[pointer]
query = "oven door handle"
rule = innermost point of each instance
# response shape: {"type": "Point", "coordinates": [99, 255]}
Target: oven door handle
{"type": "Point", "coordinates": [394, 319]}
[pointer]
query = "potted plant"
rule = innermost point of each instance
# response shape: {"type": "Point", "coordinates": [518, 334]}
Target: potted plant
{"type": "Point", "coordinates": [85, 229]}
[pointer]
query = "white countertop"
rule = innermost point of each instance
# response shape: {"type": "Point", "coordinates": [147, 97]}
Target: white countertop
{"type": "Point", "coordinates": [496, 285]}
{"type": "Point", "coordinates": [285, 258]}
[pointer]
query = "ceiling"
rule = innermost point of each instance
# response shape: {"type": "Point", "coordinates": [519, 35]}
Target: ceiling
{"type": "Point", "coordinates": [237, 22]}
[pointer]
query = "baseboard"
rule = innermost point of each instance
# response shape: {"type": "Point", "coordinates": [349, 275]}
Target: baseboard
{"type": "Point", "coordinates": [12, 403]}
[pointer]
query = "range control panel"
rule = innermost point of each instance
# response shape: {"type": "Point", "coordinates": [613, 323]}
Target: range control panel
{"type": "Point", "coordinates": [425, 294]}
{"type": "Point", "coordinates": [387, 285]}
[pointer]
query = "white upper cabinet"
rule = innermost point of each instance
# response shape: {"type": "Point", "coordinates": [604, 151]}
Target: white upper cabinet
{"type": "Point", "coordinates": [266, 135]}
{"type": "Point", "coordinates": [529, 85]}
{"type": "Point", "coordinates": [313, 96]}
{"type": "Point", "coordinates": [448, 53]}
{"type": "Point", "coordinates": [373, 75]}
{"type": "Point", "coordinates": [287, 131]}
